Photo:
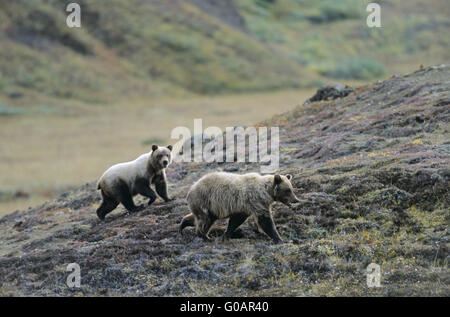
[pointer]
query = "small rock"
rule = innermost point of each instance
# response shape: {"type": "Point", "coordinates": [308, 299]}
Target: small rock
{"type": "Point", "coordinates": [331, 92]}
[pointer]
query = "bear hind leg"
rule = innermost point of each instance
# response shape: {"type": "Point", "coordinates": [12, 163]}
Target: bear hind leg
{"type": "Point", "coordinates": [203, 224]}
{"type": "Point", "coordinates": [188, 221]}
{"type": "Point", "coordinates": [108, 204]}
{"type": "Point", "coordinates": [235, 221]}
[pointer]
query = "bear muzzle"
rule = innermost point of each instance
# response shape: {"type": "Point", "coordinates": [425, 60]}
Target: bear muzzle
{"type": "Point", "coordinates": [290, 201]}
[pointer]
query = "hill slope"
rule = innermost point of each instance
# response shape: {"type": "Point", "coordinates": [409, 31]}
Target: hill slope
{"type": "Point", "coordinates": [372, 170]}
{"type": "Point", "coordinates": [151, 48]}
{"type": "Point", "coordinates": [134, 47]}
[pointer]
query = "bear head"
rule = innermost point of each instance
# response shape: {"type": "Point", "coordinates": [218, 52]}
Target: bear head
{"type": "Point", "coordinates": [161, 156]}
{"type": "Point", "coordinates": [283, 190]}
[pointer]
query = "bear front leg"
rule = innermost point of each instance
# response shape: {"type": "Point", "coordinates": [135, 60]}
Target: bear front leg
{"type": "Point", "coordinates": [126, 198]}
{"type": "Point", "coordinates": [143, 188]}
{"type": "Point", "coordinates": [161, 187]}
{"type": "Point", "coordinates": [268, 226]}
{"type": "Point", "coordinates": [150, 194]}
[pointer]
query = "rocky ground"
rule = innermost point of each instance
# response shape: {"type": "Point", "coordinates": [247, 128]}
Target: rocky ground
{"type": "Point", "coordinates": [372, 170]}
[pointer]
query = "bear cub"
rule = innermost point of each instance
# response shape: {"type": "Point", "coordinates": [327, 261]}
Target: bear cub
{"type": "Point", "coordinates": [121, 182]}
{"type": "Point", "coordinates": [225, 195]}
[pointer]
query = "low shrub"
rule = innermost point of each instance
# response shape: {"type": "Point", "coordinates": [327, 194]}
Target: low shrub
{"type": "Point", "coordinates": [357, 68]}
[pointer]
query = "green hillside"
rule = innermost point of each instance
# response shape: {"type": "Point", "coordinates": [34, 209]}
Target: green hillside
{"type": "Point", "coordinates": [332, 38]}
{"type": "Point", "coordinates": [128, 47]}
{"type": "Point", "coordinates": [157, 47]}
{"type": "Point", "coordinates": [371, 171]}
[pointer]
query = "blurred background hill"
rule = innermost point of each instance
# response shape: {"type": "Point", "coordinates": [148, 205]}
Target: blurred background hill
{"type": "Point", "coordinates": [210, 47]}
{"type": "Point", "coordinates": [74, 101]}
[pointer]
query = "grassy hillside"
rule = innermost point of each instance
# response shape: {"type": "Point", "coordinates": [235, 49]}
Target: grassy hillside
{"type": "Point", "coordinates": [169, 47]}
{"type": "Point", "coordinates": [371, 169]}
{"type": "Point", "coordinates": [133, 47]}
{"type": "Point", "coordinates": [136, 60]}
{"type": "Point", "coordinates": [331, 37]}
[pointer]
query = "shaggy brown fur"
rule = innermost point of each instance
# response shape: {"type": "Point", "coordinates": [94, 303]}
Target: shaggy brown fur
{"type": "Point", "coordinates": [225, 195]}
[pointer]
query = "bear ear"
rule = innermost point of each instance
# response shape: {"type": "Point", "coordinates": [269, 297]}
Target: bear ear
{"type": "Point", "coordinates": [289, 176]}
{"type": "Point", "coordinates": [277, 179]}
{"type": "Point", "coordinates": [154, 147]}
{"type": "Point", "coordinates": [170, 147]}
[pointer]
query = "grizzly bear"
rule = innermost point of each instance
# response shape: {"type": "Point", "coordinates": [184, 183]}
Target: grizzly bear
{"type": "Point", "coordinates": [121, 182]}
{"type": "Point", "coordinates": [226, 195]}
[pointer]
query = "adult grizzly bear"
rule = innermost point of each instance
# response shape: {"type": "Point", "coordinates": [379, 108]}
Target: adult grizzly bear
{"type": "Point", "coordinates": [226, 195]}
{"type": "Point", "coordinates": [121, 182]}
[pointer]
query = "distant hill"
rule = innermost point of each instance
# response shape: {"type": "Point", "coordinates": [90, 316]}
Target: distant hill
{"type": "Point", "coordinates": [174, 47]}
{"type": "Point", "coordinates": [146, 47]}
{"type": "Point", "coordinates": [371, 169]}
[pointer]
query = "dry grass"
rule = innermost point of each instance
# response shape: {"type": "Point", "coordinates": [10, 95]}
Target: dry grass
{"type": "Point", "coordinates": [46, 154]}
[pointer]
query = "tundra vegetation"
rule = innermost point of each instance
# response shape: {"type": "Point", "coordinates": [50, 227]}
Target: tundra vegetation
{"type": "Point", "coordinates": [371, 170]}
{"type": "Point", "coordinates": [132, 61]}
